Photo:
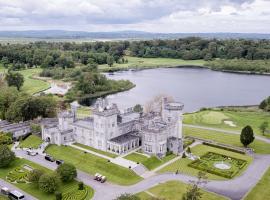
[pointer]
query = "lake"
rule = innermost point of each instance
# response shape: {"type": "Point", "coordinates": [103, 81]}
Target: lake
{"type": "Point", "coordinates": [194, 87]}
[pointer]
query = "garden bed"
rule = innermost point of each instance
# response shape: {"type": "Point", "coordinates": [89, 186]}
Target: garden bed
{"type": "Point", "coordinates": [209, 162]}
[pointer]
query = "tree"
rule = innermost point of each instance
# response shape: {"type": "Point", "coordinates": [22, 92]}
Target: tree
{"type": "Point", "coordinates": [247, 136]}
{"type": "Point", "coordinates": [7, 96]}
{"type": "Point", "coordinates": [67, 172]}
{"type": "Point", "coordinates": [80, 186]}
{"type": "Point", "coordinates": [15, 79]}
{"type": "Point", "coordinates": [194, 191]}
{"type": "Point", "coordinates": [127, 197]}
{"type": "Point", "coordinates": [48, 183]}
{"type": "Point", "coordinates": [110, 61]}
{"type": "Point", "coordinates": [263, 127]}
{"type": "Point", "coordinates": [6, 155]}
{"type": "Point", "coordinates": [35, 175]}
{"type": "Point", "coordinates": [138, 108]}
{"type": "Point", "coordinates": [5, 62]}
{"type": "Point", "coordinates": [5, 138]}
{"type": "Point", "coordinates": [58, 195]}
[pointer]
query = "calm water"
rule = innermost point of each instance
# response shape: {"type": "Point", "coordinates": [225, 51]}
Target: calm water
{"type": "Point", "coordinates": [196, 88]}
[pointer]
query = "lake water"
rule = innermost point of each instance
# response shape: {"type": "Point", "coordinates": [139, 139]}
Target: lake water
{"type": "Point", "coordinates": [196, 88]}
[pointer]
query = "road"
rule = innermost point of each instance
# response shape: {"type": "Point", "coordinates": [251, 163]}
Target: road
{"type": "Point", "coordinates": [225, 131]}
{"type": "Point", "coordinates": [4, 183]}
{"type": "Point", "coordinates": [235, 188]}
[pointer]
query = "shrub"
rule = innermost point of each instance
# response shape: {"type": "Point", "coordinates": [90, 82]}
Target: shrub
{"type": "Point", "coordinates": [247, 136]}
{"type": "Point", "coordinates": [35, 175]}
{"type": "Point", "coordinates": [224, 147]}
{"type": "Point", "coordinates": [67, 172]}
{"type": "Point", "coordinates": [48, 183]}
{"type": "Point", "coordinates": [58, 195]}
{"type": "Point", "coordinates": [80, 186]}
{"type": "Point", "coordinates": [6, 156]}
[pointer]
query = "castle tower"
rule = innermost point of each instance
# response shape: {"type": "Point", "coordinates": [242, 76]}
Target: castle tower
{"type": "Point", "coordinates": [172, 114]}
{"type": "Point", "coordinates": [74, 107]}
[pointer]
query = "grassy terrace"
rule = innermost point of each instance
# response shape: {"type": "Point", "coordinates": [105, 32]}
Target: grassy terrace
{"type": "Point", "coordinates": [33, 188]}
{"type": "Point", "coordinates": [96, 150]}
{"type": "Point", "coordinates": [30, 85]}
{"type": "Point", "coordinates": [173, 190]}
{"type": "Point", "coordinates": [260, 147]}
{"type": "Point", "coordinates": [32, 141]}
{"type": "Point", "coordinates": [140, 63]}
{"type": "Point", "coordinates": [182, 164]}
{"type": "Point", "coordinates": [261, 190]}
{"type": "Point", "coordinates": [150, 163]}
{"type": "Point", "coordinates": [239, 118]}
{"type": "Point", "coordinates": [92, 164]}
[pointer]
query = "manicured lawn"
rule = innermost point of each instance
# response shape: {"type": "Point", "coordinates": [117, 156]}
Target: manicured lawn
{"type": "Point", "coordinates": [83, 111]}
{"type": "Point", "coordinates": [261, 191]}
{"type": "Point", "coordinates": [182, 164]}
{"type": "Point", "coordinates": [259, 146]}
{"type": "Point", "coordinates": [93, 164]}
{"type": "Point", "coordinates": [33, 188]}
{"type": "Point", "coordinates": [240, 118]}
{"type": "Point", "coordinates": [174, 190]}
{"type": "Point", "coordinates": [32, 141]}
{"type": "Point", "coordinates": [150, 163]}
{"type": "Point", "coordinates": [135, 62]}
{"type": "Point", "coordinates": [30, 85]}
{"type": "Point", "coordinates": [96, 150]}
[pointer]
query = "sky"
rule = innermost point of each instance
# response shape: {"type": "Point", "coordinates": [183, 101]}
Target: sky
{"type": "Point", "coordinates": [164, 16]}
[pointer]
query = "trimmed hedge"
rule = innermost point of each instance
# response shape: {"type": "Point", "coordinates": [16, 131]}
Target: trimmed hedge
{"type": "Point", "coordinates": [224, 147]}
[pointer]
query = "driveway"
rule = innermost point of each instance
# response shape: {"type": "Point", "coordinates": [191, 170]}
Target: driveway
{"type": "Point", "coordinates": [234, 189]}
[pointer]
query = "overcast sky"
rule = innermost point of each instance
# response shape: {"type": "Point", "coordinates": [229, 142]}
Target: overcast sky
{"type": "Point", "coordinates": [142, 15]}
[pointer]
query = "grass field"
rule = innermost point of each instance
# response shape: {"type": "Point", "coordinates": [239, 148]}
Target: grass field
{"type": "Point", "coordinates": [182, 164]}
{"type": "Point", "coordinates": [32, 188]}
{"type": "Point", "coordinates": [135, 62]}
{"type": "Point", "coordinates": [96, 150]}
{"type": "Point", "coordinates": [150, 163]}
{"type": "Point", "coordinates": [174, 190]}
{"type": "Point", "coordinates": [259, 146]}
{"type": "Point", "coordinates": [261, 191]}
{"type": "Point", "coordinates": [30, 85]}
{"type": "Point", "coordinates": [92, 164]}
{"type": "Point", "coordinates": [240, 119]}
{"type": "Point", "coordinates": [32, 141]}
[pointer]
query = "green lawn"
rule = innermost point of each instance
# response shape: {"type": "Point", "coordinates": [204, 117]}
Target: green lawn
{"type": "Point", "coordinates": [30, 85]}
{"type": "Point", "coordinates": [135, 62]}
{"type": "Point", "coordinates": [96, 150]}
{"type": "Point", "coordinates": [92, 164]}
{"type": "Point", "coordinates": [33, 188]}
{"type": "Point", "coordinates": [261, 191]}
{"type": "Point", "coordinates": [32, 141]}
{"type": "Point", "coordinates": [150, 163]}
{"type": "Point", "coordinates": [259, 146]}
{"type": "Point", "coordinates": [174, 190]}
{"type": "Point", "coordinates": [240, 118]}
{"type": "Point", "coordinates": [182, 164]}
{"type": "Point", "coordinates": [83, 111]}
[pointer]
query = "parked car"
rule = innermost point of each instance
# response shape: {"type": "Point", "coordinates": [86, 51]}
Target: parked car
{"type": "Point", "coordinates": [103, 179]}
{"type": "Point", "coordinates": [49, 158]}
{"type": "Point", "coordinates": [59, 162]}
{"type": "Point", "coordinates": [5, 190]}
{"type": "Point", "coordinates": [31, 153]}
{"type": "Point", "coordinates": [15, 195]}
{"type": "Point", "coordinates": [97, 177]}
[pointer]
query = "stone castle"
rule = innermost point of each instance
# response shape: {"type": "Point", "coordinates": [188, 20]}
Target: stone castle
{"type": "Point", "coordinates": [110, 130]}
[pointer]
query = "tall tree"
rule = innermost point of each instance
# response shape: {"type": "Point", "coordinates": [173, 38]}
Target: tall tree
{"type": "Point", "coordinates": [15, 79]}
{"type": "Point", "coordinates": [110, 61]}
{"type": "Point", "coordinates": [247, 136]}
{"type": "Point", "coordinates": [263, 127]}
{"type": "Point", "coordinates": [6, 155]}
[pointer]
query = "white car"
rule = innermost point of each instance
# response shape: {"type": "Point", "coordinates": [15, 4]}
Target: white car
{"type": "Point", "coordinates": [31, 153]}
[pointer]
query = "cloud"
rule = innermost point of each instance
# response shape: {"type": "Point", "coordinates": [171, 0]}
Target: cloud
{"type": "Point", "coordinates": [150, 15]}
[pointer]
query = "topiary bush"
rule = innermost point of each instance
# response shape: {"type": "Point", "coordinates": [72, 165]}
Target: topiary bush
{"type": "Point", "coordinates": [67, 172]}
{"type": "Point", "coordinates": [48, 183]}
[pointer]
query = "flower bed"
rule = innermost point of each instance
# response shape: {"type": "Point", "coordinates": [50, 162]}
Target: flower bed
{"type": "Point", "coordinates": [207, 163]}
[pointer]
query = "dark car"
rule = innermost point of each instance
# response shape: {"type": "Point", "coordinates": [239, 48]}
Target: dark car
{"type": "Point", "coordinates": [59, 162]}
{"type": "Point", "coordinates": [49, 158]}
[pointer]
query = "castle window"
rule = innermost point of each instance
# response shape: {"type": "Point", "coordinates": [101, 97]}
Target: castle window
{"type": "Point", "coordinates": [113, 124]}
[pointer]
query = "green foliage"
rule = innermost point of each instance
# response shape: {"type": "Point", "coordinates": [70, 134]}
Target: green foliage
{"type": "Point", "coordinates": [34, 175]}
{"type": "Point", "coordinates": [265, 104]}
{"type": "Point", "coordinates": [18, 175]}
{"type": "Point", "coordinates": [5, 138]}
{"type": "Point", "coordinates": [67, 172]}
{"type": "Point", "coordinates": [80, 186]}
{"type": "Point", "coordinates": [110, 61]}
{"type": "Point", "coordinates": [263, 127]}
{"type": "Point", "coordinates": [138, 108]}
{"type": "Point", "coordinates": [247, 136]}
{"type": "Point", "coordinates": [15, 79]}
{"type": "Point", "coordinates": [193, 193]}
{"type": "Point", "coordinates": [58, 195]}
{"type": "Point", "coordinates": [76, 194]}
{"type": "Point", "coordinates": [6, 156]}
{"type": "Point", "coordinates": [48, 183]}
{"type": "Point", "coordinates": [127, 197]}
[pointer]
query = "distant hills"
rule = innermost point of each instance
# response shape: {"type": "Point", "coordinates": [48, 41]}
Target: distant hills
{"type": "Point", "coordinates": [62, 34]}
